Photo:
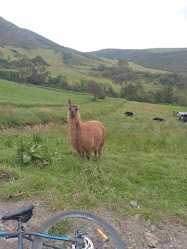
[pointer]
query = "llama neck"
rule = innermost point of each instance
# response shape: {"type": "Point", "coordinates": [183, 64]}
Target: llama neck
{"type": "Point", "coordinates": [75, 122]}
{"type": "Point", "coordinates": [74, 128]}
{"type": "Point", "coordinates": [75, 125]}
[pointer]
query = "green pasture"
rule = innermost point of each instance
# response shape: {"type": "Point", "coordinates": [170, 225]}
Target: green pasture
{"type": "Point", "coordinates": [137, 67]}
{"type": "Point", "coordinates": [143, 160]}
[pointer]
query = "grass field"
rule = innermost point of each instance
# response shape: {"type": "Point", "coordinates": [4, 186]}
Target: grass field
{"type": "Point", "coordinates": [143, 160]}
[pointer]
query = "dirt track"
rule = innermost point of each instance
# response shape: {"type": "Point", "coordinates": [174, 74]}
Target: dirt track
{"type": "Point", "coordinates": [169, 235]}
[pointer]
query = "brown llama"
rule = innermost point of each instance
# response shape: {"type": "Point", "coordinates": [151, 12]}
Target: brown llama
{"type": "Point", "coordinates": [85, 137]}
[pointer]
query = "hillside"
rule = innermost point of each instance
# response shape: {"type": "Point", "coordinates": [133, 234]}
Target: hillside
{"type": "Point", "coordinates": [11, 35]}
{"type": "Point", "coordinates": [173, 60]}
{"type": "Point", "coordinates": [27, 57]}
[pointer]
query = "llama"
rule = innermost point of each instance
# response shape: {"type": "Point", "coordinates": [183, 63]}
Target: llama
{"type": "Point", "coordinates": [85, 137]}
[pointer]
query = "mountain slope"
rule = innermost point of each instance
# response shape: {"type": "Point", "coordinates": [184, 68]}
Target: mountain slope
{"type": "Point", "coordinates": [12, 35]}
{"type": "Point", "coordinates": [173, 60]}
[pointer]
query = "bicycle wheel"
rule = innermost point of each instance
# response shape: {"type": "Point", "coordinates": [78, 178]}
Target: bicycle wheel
{"type": "Point", "coordinates": [96, 232]}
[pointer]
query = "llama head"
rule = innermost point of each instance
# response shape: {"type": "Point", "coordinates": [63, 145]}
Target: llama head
{"type": "Point", "coordinates": [73, 109]}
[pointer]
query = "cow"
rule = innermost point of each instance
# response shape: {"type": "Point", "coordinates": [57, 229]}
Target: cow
{"type": "Point", "coordinates": [158, 119]}
{"type": "Point", "coordinates": [130, 114]}
{"type": "Point", "coordinates": [184, 119]}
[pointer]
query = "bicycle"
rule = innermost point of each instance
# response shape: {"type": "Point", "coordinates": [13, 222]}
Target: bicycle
{"type": "Point", "coordinates": [75, 229]}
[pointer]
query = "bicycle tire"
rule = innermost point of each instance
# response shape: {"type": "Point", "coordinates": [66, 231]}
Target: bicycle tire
{"type": "Point", "coordinates": [83, 220]}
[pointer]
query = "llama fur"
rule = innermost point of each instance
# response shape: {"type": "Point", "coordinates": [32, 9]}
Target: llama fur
{"type": "Point", "coordinates": [88, 137]}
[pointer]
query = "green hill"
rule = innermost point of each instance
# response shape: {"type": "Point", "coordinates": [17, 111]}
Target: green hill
{"type": "Point", "coordinates": [172, 60]}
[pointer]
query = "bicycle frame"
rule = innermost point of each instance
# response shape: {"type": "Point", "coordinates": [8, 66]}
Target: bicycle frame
{"type": "Point", "coordinates": [22, 234]}
{"type": "Point", "coordinates": [14, 234]}
{"type": "Point", "coordinates": [23, 215]}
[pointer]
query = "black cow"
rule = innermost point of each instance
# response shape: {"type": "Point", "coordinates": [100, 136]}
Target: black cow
{"type": "Point", "coordinates": [158, 119]}
{"type": "Point", "coordinates": [183, 119]}
{"type": "Point", "coordinates": [129, 114]}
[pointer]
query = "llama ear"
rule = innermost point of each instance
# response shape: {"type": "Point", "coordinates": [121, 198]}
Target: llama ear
{"type": "Point", "coordinates": [69, 102]}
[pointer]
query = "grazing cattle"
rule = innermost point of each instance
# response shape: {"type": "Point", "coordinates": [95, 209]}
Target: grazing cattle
{"type": "Point", "coordinates": [85, 137]}
{"type": "Point", "coordinates": [182, 116]}
{"type": "Point", "coordinates": [184, 119]}
{"type": "Point", "coordinates": [158, 119]}
{"type": "Point", "coordinates": [130, 114]}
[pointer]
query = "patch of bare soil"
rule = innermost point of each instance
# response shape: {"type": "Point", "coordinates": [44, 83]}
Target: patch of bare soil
{"type": "Point", "coordinates": [137, 234]}
{"type": "Point", "coordinates": [4, 177]}
{"type": "Point", "coordinates": [134, 232]}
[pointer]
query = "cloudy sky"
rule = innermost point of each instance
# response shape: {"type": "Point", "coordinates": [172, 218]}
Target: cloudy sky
{"type": "Point", "coordinates": [89, 25]}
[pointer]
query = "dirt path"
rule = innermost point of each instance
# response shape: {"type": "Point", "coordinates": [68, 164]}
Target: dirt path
{"type": "Point", "coordinates": [133, 231]}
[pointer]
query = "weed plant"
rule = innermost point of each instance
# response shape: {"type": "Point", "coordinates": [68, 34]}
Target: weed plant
{"type": "Point", "coordinates": [32, 150]}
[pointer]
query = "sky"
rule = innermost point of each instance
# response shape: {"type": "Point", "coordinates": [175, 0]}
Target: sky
{"type": "Point", "coordinates": [90, 25]}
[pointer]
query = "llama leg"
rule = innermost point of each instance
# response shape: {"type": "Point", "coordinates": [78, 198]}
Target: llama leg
{"type": "Point", "coordinates": [95, 152]}
{"type": "Point", "coordinates": [88, 155]}
{"type": "Point", "coordinates": [82, 155]}
{"type": "Point", "coordinates": [100, 151]}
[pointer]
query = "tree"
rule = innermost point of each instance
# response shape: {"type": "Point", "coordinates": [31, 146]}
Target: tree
{"type": "Point", "coordinates": [111, 92]}
{"type": "Point", "coordinates": [62, 82]}
{"type": "Point", "coordinates": [25, 67]}
{"type": "Point", "coordinates": [32, 70]}
{"type": "Point", "coordinates": [122, 73]}
{"type": "Point", "coordinates": [122, 63]}
{"type": "Point", "coordinates": [168, 94]}
{"type": "Point", "coordinates": [158, 96]}
{"type": "Point", "coordinates": [108, 90]}
{"type": "Point", "coordinates": [94, 88]}
{"type": "Point", "coordinates": [101, 67]}
{"type": "Point", "coordinates": [129, 92]}
{"type": "Point", "coordinates": [39, 61]}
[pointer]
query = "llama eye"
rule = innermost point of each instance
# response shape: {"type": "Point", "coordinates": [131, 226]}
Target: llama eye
{"type": "Point", "coordinates": [70, 109]}
{"type": "Point", "coordinates": [76, 109]}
